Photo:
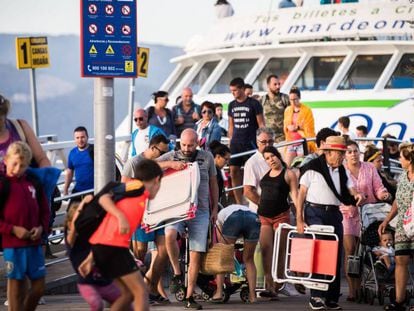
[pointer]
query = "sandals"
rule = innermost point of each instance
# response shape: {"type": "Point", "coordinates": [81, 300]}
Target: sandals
{"type": "Point", "coordinates": [395, 306]}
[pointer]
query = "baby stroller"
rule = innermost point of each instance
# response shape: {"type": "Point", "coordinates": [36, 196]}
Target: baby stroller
{"type": "Point", "coordinates": [375, 283]}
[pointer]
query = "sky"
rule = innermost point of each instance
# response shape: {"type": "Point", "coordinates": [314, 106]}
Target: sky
{"type": "Point", "coordinates": [169, 22]}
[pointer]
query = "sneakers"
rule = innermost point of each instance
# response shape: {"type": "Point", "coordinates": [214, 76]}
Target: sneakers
{"type": "Point", "coordinates": [176, 283]}
{"type": "Point", "coordinates": [316, 303]}
{"type": "Point", "coordinates": [288, 290]}
{"type": "Point", "coordinates": [330, 305]}
{"type": "Point", "coordinates": [42, 301]}
{"type": "Point", "coordinates": [189, 303]}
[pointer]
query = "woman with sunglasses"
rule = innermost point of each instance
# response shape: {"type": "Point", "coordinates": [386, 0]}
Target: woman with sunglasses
{"type": "Point", "coordinates": [159, 115]}
{"type": "Point", "coordinates": [207, 128]}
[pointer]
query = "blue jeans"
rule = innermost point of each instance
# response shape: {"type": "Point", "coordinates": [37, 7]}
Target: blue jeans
{"type": "Point", "coordinates": [330, 217]}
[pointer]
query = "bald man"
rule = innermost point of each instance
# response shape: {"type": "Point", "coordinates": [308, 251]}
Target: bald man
{"type": "Point", "coordinates": [198, 226]}
{"type": "Point", "coordinates": [142, 135]}
{"type": "Point", "coordinates": [186, 112]}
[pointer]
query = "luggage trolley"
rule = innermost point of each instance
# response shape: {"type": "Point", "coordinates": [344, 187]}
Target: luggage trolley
{"type": "Point", "coordinates": [176, 200]}
{"type": "Point", "coordinates": [309, 259]}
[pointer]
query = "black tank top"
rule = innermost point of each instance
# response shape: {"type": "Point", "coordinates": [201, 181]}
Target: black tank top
{"type": "Point", "coordinates": [273, 198]}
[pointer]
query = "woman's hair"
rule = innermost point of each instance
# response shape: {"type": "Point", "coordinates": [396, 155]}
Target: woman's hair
{"type": "Point", "coordinates": [4, 106]}
{"type": "Point", "coordinates": [217, 148]}
{"type": "Point", "coordinates": [350, 142]}
{"type": "Point", "coordinates": [158, 94]}
{"type": "Point", "coordinates": [295, 90]}
{"type": "Point", "coordinates": [70, 213]}
{"type": "Point", "coordinates": [21, 149]}
{"type": "Point", "coordinates": [407, 150]}
{"type": "Point", "coordinates": [209, 105]}
{"type": "Point", "coordinates": [273, 150]}
{"type": "Point", "coordinates": [371, 153]}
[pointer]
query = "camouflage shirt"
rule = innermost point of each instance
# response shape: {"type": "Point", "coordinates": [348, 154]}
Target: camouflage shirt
{"type": "Point", "coordinates": [273, 111]}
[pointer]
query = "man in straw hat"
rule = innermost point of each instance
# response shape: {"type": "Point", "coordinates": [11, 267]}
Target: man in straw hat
{"type": "Point", "coordinates": [324, 185]}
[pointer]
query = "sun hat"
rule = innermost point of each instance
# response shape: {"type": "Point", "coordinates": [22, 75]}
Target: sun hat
{"type": "Point", "coordinates": [334, 143]}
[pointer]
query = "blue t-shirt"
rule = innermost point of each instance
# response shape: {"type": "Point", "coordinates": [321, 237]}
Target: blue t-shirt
{"type": "Point", "coordinates": [244, 119]}
{"type": "Point", "coordinates": [81, 163]}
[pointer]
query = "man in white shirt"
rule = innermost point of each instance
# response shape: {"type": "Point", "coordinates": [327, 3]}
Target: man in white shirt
{"type": "Point", "coordinates": [256, 167]}
{"type": "Point", "coordinates": [324, 186]}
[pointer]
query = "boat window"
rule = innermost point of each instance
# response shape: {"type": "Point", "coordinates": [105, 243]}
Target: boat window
{"type": "Point", "coordinates": [364, 72]}
{"type": "Point", "coordinates": [178, 80]}
{"type": "Point", "coordinates": [319, 72]}
{"type": "Point", "coordinates": [202, 76]}
{"type": "Point", "coordinates": [275, 66]}
{"type": "Point", "coordinates": [403, 76]}
{"type": "Point", "coordinates": [236, 68]}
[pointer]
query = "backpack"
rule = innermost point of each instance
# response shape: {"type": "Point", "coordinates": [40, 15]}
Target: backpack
{"type": "Point", "coordinates": [92, 213]}
{"type": "Point", "coordinates": [91, 150]}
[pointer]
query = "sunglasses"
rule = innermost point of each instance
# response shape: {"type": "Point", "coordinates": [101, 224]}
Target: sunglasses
{"type": "Point", "coordinates": [139, 119]}
{"type": "Point", "coordinates": [208, 111]}
{"type": "Point", "coordinates": [265, 142]}
{"type": "Point", "coordinates": [160, 151]}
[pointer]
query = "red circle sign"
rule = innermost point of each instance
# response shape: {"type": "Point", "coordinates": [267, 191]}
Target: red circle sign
{"type": "Point", "coordinates": [93, 29]}
{"type": "Point", "coordinates": [109, 29]}
{"type": "Point", "coordinates": [126, 10]}
{"type": "Point", "coordinates": [126, 30]}
{"type": "Point", "coordinates": [93, 9]}
{"type": "Point", "coordinates": [109, 9]}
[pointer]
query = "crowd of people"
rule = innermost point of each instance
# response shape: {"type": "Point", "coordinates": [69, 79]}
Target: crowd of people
{"type": "Point", "coordinates": [303, 184]}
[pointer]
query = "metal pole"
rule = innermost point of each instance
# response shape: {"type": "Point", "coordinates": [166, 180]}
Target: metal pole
{"type": "Point", "coordinates": [131, 104]}
{"type": "Point", "coordinates": [104, 157]}
{"type": "Point", "coordinates": [34, 101]}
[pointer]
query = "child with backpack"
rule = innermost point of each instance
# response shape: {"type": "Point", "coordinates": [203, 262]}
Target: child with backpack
{"type": "Point", "coordinates": [23, 217]}
{"type": "Point", "coordinates": [110, 242]}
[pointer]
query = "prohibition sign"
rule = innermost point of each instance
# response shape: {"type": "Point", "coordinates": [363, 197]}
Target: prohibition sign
{"type": "Point", "coordinates": [93, 9]}
{"type": "Point", "coordinates": [109, 9]}
{"type": "Point", "coordinates": [109, 29]}
{"type": "Point", "coordinates": [126, 49]}
{"type": "Point", "coordinates": [93, 29]}
{"type": "Point", "coordinates": [126, 10]}
{"type": "Point", "coordinates": [126, 30]}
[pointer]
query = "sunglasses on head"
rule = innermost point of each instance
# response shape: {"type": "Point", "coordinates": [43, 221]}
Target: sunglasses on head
{"type": "Point", "coordinates": [208, 111]}
{"type": "Point", "coordinates": [139, 119]}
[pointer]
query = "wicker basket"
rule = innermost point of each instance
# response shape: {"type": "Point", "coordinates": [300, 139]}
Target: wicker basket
{"type": "Point", "coordinates": [218, 259]}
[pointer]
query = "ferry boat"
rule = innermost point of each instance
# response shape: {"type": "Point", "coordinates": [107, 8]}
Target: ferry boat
{"type": "Point", "coordinates": [350, 59]}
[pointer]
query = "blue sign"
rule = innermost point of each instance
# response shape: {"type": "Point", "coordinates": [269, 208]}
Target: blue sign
{"type": "Point", "coordinates": [109, 38]}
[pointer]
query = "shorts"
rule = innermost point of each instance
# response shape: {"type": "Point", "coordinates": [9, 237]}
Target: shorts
{"type": "Point", "coordinates": [239, 148]}
{"type": "Point", "coordinates": [276, 221]}
{"type": "Point", "coordinates": [24, 261]}
{"type": "Point", "coordinates": [197, 230]}
{"type": "Point", "coordinates": [113, 261]}
{"type": "Point", "coordinates": [141, 236]}
{"type": "Point", "coordinates": [242, 224]}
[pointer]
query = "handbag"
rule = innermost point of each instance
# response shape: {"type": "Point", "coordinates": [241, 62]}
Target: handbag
{"type": "Point", "coordinates": [408, 221]}
{"type": "Point", "coordinates": [354, 264]}
{"type": "Point", "coordinates": [219, 259]}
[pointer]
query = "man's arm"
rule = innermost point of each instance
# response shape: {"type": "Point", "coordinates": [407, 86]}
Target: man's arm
{"type": "Point", "coordinates": [68, 180]}
{"type": "Point", "coordinates": [300, 222]}
{"type": "Point", "coordinates": [250, 192]}
{"type": "Point", "coordinates": [260, 120]}
{"type": "Point", "coordinates": [231, 125]}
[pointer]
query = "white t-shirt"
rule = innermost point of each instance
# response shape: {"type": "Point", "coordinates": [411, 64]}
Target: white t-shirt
{"type": "Point", "coordinates": [319, 191]}
{"type": "Point", "coordinates": [254, 170]}
{"type": "Point", "coordinates": [142, 140]}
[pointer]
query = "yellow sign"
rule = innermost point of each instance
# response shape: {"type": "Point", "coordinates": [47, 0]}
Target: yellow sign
{"type": "Point", "coordinates": [129, 66]}
{"type": "Point", "coordinates": [93, 50]}
{"type": "Point", "coordinates": [143, 60]}
{"type": "Point", "coordinates": [109, 50]}
{"type": "Point", "coordinates": [32, 52]}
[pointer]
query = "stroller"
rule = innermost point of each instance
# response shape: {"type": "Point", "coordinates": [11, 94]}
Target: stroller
{"type": "Point", "coordinates": [375, 283]}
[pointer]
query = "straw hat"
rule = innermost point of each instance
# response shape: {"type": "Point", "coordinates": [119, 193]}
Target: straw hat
{"type": "Point", "coordinates": [334, 143]}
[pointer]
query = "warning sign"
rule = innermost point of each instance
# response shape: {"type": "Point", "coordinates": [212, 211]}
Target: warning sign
{"type": "Point", "coordinates": [32, 52]}
{"type": "Point", "coordinates": [109, 50]}
{"type": "Point", "coordinates": [129, 66]}
{"type": "Point", "coordinates": [93, 50]}
{"type": "Point", "coordinates": [143, 61]}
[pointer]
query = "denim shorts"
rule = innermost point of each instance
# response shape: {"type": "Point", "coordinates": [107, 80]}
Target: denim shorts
{"type": "Point", "coordinates": [197, 230]}
{"type": "Point", "coordinates": [244, 224]}
{"type": "Point", "coordinates": [141, 236]}
{"type": "Point", "coordinates": [24, 261]}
